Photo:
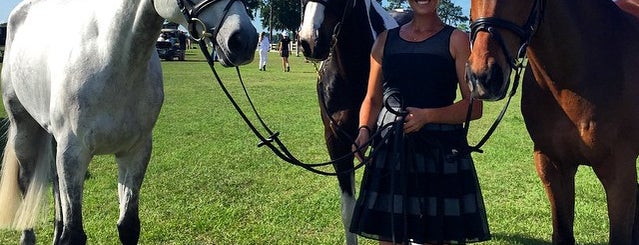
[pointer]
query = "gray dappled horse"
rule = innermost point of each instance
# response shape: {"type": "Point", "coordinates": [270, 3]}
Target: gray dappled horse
{"type": "Point", "coordinates": [93, 87]}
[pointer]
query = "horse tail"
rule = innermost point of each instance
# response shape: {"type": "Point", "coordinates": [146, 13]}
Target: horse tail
{"type": "Point", "coordinates": [20, 210]}
{"type": "Point", "coordinates": [9, 189]}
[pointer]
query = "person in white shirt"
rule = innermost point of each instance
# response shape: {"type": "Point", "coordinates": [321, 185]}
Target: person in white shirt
{"type": "Point", "coordinates": [265, 47]}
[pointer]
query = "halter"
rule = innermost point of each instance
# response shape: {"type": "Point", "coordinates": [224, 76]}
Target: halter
{"type": "Point", "coordinates": [192, 11]}
{"type": "Point", "coordinates": [518, 63]}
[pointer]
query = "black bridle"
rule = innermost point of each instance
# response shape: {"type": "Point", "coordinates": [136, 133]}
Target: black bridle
{"type": "Point", "coordinates": [525, 32]}
{"type": "Point", "coordinates": [337, 30]}
{"type": "Point", "coordinates": [338, 26]}
{"type": "Point", "coordinates": [192, 11]}
{"type": "Point", "coordinates": [516, 63]}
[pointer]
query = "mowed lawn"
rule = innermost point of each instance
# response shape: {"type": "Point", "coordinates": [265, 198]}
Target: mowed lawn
{"type": "Point", "coordinates": [208, 182]}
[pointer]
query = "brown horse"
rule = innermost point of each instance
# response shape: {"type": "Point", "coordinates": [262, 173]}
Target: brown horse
{"type": "Point", "coordinates": [581, 106]}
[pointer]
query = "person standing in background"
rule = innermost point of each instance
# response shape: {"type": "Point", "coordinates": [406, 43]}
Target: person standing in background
{"type": "Point", "coordinates": [284, 51]}
{"type": "Point", "coordinates": [264, 47]}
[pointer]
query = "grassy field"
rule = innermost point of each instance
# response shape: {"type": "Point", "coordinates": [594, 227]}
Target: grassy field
{"type": "Point", "coordinates": [208, 183]}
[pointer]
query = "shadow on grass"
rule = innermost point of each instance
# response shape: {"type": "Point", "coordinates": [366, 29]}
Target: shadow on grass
{"type": "Point", "coordinates": [526, 240]}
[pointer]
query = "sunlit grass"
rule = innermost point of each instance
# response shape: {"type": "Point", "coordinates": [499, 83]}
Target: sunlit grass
{"type": "Point", "coordinates": [208, 183]}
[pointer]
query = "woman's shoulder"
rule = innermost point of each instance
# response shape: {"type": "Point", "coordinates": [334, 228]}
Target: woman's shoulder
{"type": "Point", "coordinates": [459, 43]}
{"type": "Point", "coordinates": [458, 35]}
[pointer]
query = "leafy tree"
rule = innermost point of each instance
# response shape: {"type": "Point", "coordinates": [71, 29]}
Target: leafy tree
{"type": "Point", "coordinates": [397, 4]}
{"type": "Point", "coordinates": [450, 13]}
{"type": "Point", "coordinates": [252, 6]}
{"type": "Point", "coordinates": [286, 14]}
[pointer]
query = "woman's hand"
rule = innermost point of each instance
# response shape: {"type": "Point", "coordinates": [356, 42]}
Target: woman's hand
{"type": "Point", "coordinates": [415, 119]}
{"type": "Point", "coordinates": [360, 145]}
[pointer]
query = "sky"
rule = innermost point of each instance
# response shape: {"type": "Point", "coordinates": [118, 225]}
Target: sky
{"type": "Point", "coordinates": [7, 5]}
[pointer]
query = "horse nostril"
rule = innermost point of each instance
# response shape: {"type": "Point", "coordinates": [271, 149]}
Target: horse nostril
{"type": "Point", "coordinates": [306, 47]}
{"type": "Point", "coordinates": [488, 84]}
{"type": "Point", "coordinates": [238, 42]}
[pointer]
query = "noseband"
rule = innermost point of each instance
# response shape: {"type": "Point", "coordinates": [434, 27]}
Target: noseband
{"type": "Point", "coordinates": [192, 11]}
{"type": "Point", "coordinates": [525, 32]}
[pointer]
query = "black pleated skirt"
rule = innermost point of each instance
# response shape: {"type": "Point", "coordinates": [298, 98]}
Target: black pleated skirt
{"type": "Point", "coordinates": [423, 189]}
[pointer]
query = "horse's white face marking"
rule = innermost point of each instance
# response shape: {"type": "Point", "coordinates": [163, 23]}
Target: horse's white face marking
{"type": "Point", "coordinates": [313, 18]}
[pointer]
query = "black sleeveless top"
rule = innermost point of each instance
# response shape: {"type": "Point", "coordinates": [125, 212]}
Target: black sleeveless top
{"type": "Point", "coordinates": [422, 72]}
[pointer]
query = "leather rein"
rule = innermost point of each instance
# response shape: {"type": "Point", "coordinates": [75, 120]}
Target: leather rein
{"type": "Point", "coordinates": [271, 138]}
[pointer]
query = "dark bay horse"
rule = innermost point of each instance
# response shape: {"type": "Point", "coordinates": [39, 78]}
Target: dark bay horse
{"type": "Point", "coordinates": [341, 34]}
{"type": "Point", "coordinates": [580, 95]}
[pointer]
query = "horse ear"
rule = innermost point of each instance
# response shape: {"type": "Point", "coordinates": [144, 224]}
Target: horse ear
{"type": "Point", "coordinates": [169, 10]}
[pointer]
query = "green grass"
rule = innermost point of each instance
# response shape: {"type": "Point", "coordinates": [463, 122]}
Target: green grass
{"type": "Point", "coordinates": [208, 183]}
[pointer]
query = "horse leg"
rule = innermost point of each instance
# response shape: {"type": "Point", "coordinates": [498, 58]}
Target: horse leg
{"type": "Point", "coordinates": [132, 166]}
{"type": "Point", "coordinates": [347, 193]}
{"type": "Point", "coordinates": [635, 228]}
{"type": "Point", "coordinates": [339, 147]}
{"type": "Point", "coordinates": [58, 226]}
{"type": "Point", "coordinates": [559, 181]}
{"type": "Point", "coordinates": [71, 166]}
{"type": "Point", "coordinates": [619, 179]}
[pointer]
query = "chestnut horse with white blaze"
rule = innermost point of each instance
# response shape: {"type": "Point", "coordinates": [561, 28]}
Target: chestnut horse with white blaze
{"type": "Point", "coordinates": [580, 95]}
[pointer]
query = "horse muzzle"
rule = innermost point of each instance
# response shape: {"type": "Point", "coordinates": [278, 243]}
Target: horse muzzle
{"type": "Point", "coordinates": [236, 46]}
{"type": "Point", "coordinates": [490, 84]}
{"type": "Point", "coordinates": [313, 47]}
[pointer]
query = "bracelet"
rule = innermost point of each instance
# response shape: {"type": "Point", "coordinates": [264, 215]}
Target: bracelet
{"type": "Point", "coordinates": [365, 127]}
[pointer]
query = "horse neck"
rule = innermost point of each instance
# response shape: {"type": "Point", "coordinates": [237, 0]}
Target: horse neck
{"type": "Point", "coordinates": [355, 41]}
{"type": "Point", "coordinates": [135, 27]}
{"type": "Point", "coordinates": [569, 30]}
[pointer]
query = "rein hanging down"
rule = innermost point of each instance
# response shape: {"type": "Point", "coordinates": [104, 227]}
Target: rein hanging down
{"type": "Point", "coordinates": [272, 141]}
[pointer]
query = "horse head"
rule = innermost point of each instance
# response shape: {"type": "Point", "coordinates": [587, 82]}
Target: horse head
{"type": "Point", "coordinates": [500, 33]}
{"type": "Point", "coordinates": [225, 23]}
{"type": "Point", "coordinates": [320, 23]}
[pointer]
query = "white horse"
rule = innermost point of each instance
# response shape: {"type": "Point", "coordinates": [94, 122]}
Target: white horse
{"type": "Point", "coordinates": [93, 87]}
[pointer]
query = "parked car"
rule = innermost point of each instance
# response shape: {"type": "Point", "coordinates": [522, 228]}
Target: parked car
{"type": "Point", "coordinates": [171, 44]}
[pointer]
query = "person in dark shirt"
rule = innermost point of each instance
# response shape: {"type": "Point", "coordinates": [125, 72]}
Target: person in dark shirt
{"type": "Point", "coordinates": [284, 50]}
{"type": "Point", "coordinates": [420, 185]}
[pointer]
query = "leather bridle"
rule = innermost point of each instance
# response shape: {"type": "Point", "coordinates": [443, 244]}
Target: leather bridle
{"type": "Point", "coordinates": [517, 63]}
{"type": "Point", "coordinates": [525, 32]}
{"type": "Point", "coordinates": [338, 27]}
{"type": "Point", "coordinates": [192, 11]}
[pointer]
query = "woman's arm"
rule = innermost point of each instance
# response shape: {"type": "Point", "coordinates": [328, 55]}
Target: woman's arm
{"type": "Point", "coordinates": [372, 103]}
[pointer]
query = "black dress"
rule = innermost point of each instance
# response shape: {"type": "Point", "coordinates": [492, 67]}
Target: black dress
{"type": "Point", "coordinates": [420, 187]}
